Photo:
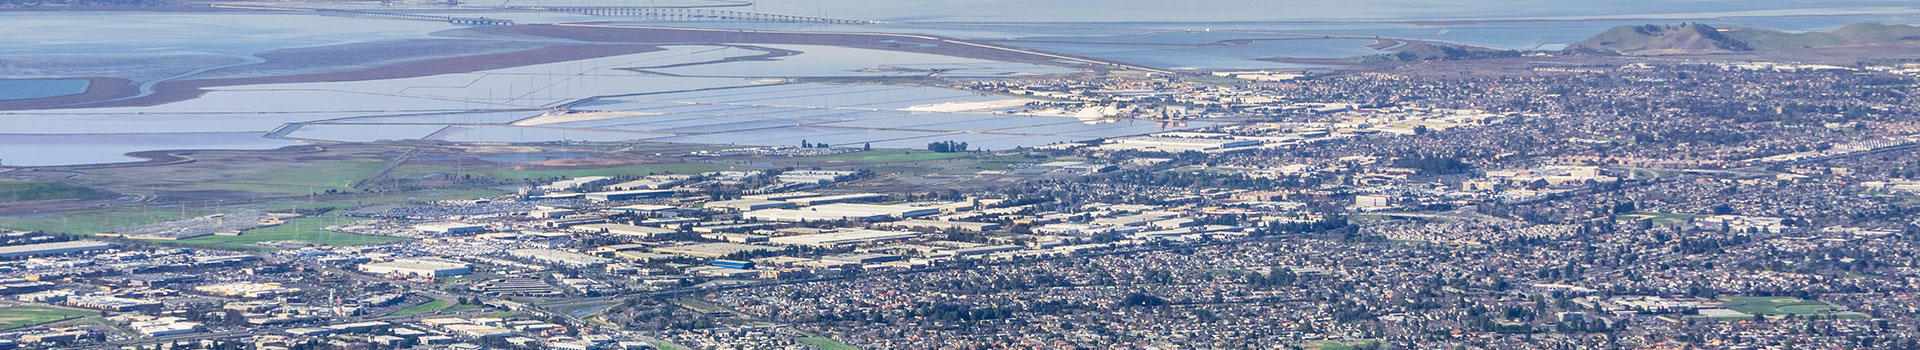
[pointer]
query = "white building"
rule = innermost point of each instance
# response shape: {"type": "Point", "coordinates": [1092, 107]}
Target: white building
{"type": "Point", "coordinates": [417, 267]}
{"type": "Point", "coordinates": [843, 211]}
{"type": "Point", "coordinates": [843, 238]}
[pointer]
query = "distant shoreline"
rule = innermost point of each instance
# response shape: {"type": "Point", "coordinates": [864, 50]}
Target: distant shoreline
{"type": "Point", "coordinates": [117, 92]}
{"type": "Point", "coordinates": [98, 89]}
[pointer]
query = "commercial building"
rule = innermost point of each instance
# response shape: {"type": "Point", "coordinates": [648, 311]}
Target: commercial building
{"type": "Point", "coordinates": [649, 210]}
{"type": "Point", "coordinates": [862, 259]}
{"type": "Point", "coordinates": [556, 257]}
{"type": "Point", "coordinates": [751, 204]}
{"type": "Point", "coordinates": [843, 211]}
{"type": "Point", "coordinates": [644, 184]}
{"type": "Point", "coordinates": [814, 176]}
{"type": "Point", "coordinates": [1178, 144]}
{"type": "Point", "coordinates": [253, 290]}
{"type": "Point", "coordinates": [941, 225]}
{"type": "Point", "coordinates": [735, 228]}
{"type": "Point", "coordinates": [714, 250]}
{"type": "Point", "coordinates": [164, 326]}
{"type": "Point", "coordinates": [780, 196]}
{"type": "Point", "coordinates": [625, 230]}
{"type": "Point", "coordinates": [478, 331]}
{"type": "Point", "coordinates": [628, 195]}
{"type": "Point", "coordinates": [449, 228]}
{"type": "Point", "coordinates": [52, 248]}
{"type": "Point", "coordinates": [113, 303]}
{"type": "Point", "coordinates": [844, 238]}
{"type": "Point", "coordinates": [1372, 201]}
{"type": "Point", "coordinates": [551, 213]}
{"type": "Point", "coordinates": [840, 198]}
{"type": "Point", "coordinates": [417, 267]}
{"type": "Point", "coordinates": [734, 264]}
{"type": "Point", "coordinates": [576, 183]}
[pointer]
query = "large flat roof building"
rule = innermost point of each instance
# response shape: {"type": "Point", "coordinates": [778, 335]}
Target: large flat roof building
{"type": "Point", "coordinates": [1177, 144]}
{"type": "Point", "coordinates": [750, 204]}
{"type": "Point", "coordinates": [558, 257]}
{"type": "Point", "coordinates": [713, 250]}
{"type": "Point", "coordinates": [449, 228]}
{"type": "Point", "coordinates": [625, 230]}
{"type": "Point", "coordinates": [844, 238]}
{"type": "Point", "coordinates": [942, 225]}
{"type": "Point", "coordinates": [842, 211]}
{"type": "Point", "coordinates": [417, 267]}
{"type": "Point", "coordinates": [52, 248]}
{"type": "Point", "coordinates": [838, 198]}
{"type": "Point", "coordinates": [628, 195]}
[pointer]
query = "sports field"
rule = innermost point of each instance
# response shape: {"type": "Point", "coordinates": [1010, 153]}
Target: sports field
{"type": "Point", "coordinates": [25, 316]}
{"type": "Point", "coordinates": [1775, 307]}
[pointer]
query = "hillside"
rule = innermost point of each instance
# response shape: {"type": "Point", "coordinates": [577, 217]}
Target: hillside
{"type": "Point", "coordinates": [1659, 39]}
{"type": "Point", "coordinates": [1430, 51]}
{"type": "Point", "coordinates": [1693, 38]}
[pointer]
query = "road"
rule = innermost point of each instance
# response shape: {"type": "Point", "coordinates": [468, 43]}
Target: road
{"type": "Point", "coordinates": [889, 35]}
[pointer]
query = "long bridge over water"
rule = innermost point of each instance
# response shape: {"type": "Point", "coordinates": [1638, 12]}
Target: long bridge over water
{"type": "Point", "coordinates": [652, 13]}
{"type": "Point", "coordinates": [471, 21]}
{"type": "Point", "coordinates": [680, 14]}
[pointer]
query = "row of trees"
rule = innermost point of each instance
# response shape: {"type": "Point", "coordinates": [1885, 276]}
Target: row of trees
{"type": "Point", "coordinates": [947, 146]}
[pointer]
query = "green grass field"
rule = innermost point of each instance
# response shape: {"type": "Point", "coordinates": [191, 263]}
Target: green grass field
{"type": "Point", "coordinates": [1660, 219]}
{"type": "Point", "coordinates": [700, 305]}
{"type": "Point", "coordinates": [602, 321]}
{"type": "Point", "coordinates": [882, 156]}
{"type": "Point", "coordinates": [426, 307]}
{"type": "Point", "coordinates": [91, 222]}
{"type": "Point", "coordinates": [97, 221]}
{"type": "Point", "coordinates": [305, 229]}
{"type": "Point", "coordinates": [27, 316]}
{"type": "Point", "coordinates": [296, 178]}
{"type": "Point", "coordinates": [509, 173]}
{"type": "Point", "coordinates": [1336, 345]}
{"type": "Point", "coordinates": [369, 199]}
{"type": "Point", "coordinates": [22, 190]}
{"type": "Point", "coordinates": [1780, 306]}
{"type": "Point", "coordinates": [461, 307]}
{"type": "Point", "coordinates": [824, 343]}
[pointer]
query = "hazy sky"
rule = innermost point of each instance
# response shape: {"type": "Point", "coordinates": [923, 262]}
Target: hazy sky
{"type": "Point", "coordinates": [1294, 10]}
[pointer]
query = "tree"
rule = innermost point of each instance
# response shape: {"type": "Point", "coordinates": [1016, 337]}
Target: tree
{"type": "Point", "coordinates": [1433, 165]}
{"type": "Point", "coordinates": [947, 146]}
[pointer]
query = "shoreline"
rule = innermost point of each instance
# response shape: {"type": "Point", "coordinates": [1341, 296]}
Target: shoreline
{"type": "Point", "coordinates": [608, 33]}
{"type": "Point", "coordinates": [98, 89]}
{"type": "Point", "coordinates": [123, 93]}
